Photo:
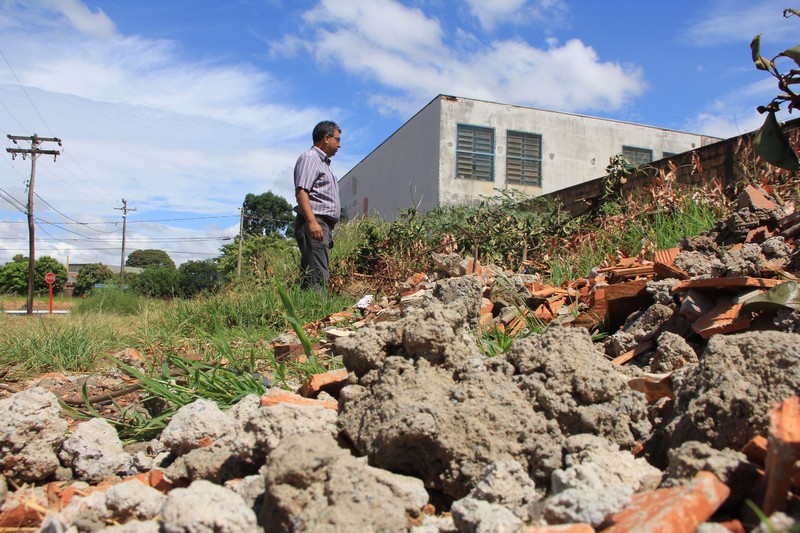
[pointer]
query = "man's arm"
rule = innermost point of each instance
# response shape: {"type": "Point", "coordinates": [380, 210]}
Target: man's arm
{"type": "Point", "coordinates": [305, 209]}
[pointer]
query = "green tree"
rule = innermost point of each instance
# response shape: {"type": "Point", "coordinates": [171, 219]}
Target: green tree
{"type": "Point", "coordinates": [44, 265]}
{"type": "Point", "coordinates": [252, 246]}
{"type": "Point", "coordinates": [157, 281]}
{"type": "Point", "coordinates": [195, 277]}
{"type": "Point", "coordinates": [265, 214]}
{"type": "Point", "coordinates": [90, 275]}
{"type": "Point", "coordinates": [14, 276]}
{"type": "Point", "coordinates": [149, 258]}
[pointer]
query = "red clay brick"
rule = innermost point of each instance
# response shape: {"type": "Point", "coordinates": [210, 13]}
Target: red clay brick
{"type": "Point", "coordinates": [563, 528]}
{"type": "Point", "coordinates": [753, 198]}
{"type": "Point", "coordinates": [783, 452]}
{"type": "Point", "coordinates": [756, 450]}
{"type": "Point", "coordinates": [278, 396]}
{"type": "Point", "coordinates": [723, 318]}
{"type": "Point", "coordinates": [313, 385]}
{"type": "Point", "coordinates": [672, 510]}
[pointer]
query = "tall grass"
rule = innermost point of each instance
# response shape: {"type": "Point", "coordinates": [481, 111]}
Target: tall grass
{"type": "Point", "coordinates": [116, 301]}
{"type": "Point", "coordinates": [659, 230]}
{"type": "Point", "coordinates": [251, 311]}
{"type": "Point", "coordinates": [38, 344]}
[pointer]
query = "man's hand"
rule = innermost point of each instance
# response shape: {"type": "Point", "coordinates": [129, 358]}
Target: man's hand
{"type": "Point", "coordinates": [315, 230]}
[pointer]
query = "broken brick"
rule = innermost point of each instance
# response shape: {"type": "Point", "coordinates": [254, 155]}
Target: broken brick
{"type": "Point", "coordinates": [487, 306]}
{"type": "Point", "coordinates": [695, 304]}
{"type": "Point", "coordinates": [278, 396]}
{"type": "Point", "coordinates": [755, 199]}
{"type": "Point", "coordinates": [783, 453]}
{"type": "Point", "coordinates": [562, 528]}
{"type": "Point", "coordinates": [722, 318]}
{"type": "Point", "coordinates": [630, 354]}
{"type": "Point", "coordinates": [331, 382]}
{"type": "Point", "coordinates": [664, 264]}
{"type": "Point", "coordinates": [674, 509]}
{"type": "Point", "coordinates": [726, 283]}
{"type": "Point", "coordinates": [756, 450]}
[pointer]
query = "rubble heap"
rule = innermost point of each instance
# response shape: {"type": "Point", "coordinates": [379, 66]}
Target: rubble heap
{"type": "Point", "coordinates": [688, 409]}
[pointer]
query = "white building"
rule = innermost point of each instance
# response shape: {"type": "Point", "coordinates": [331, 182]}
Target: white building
{"type": "Point", "coordinates": [456, 150]}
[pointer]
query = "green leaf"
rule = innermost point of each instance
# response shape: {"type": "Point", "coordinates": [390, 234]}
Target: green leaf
{"type": "Point", "coordinates": [792, 53]}
{"type": "Point", "coordinates": [785, 295]}
{"type": "Point", "coordinates": [755, 47]}
{"type": "Point", "coordinates": [772, 145]}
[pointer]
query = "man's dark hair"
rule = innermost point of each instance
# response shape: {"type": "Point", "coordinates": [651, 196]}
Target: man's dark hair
{"type": "Point", "coordinates": [326, 127]}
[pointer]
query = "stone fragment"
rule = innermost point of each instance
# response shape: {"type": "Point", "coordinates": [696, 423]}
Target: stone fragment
{"type": "Point", "coordinates": [94, 451]}
{"type": "Point", "coordinates": [196, 425]}
{"type": "Point", "coordinates": [313, 485]}
{"type": "Point", "coordinates": [204, 506]}
{"type": "Point", "coordinates": [32, 432]}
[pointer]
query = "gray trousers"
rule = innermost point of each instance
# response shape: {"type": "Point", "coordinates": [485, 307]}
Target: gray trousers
{"type": "Point", "coordinates": [314, 272]}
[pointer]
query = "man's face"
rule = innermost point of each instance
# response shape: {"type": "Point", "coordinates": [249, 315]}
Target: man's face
{"type": "Point", "coordinates": [331, 144]}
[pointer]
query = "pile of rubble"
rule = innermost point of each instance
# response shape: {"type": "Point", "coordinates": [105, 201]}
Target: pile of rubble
{"type": "Point", "coordinates": [688, 410]}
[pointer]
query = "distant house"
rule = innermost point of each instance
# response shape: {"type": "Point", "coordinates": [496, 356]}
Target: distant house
{"type": "Point", "coordinates": [458, 150]}
{"type": "Point", "coordinates": [74, 268]}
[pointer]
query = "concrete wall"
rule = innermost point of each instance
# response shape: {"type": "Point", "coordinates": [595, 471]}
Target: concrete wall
{"type": "Point", "coordinates": [422, 154]}
{"type": "Point", "coordinates": [400, 173]}
{"type": "Point", "coordinates": [726, 163]}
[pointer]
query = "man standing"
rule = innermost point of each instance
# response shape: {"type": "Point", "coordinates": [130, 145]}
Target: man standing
{"type": "Point", "coordinates": [317, 194]}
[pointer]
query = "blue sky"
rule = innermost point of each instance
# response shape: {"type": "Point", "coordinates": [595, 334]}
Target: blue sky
{"type": "Point", "coordinates": [182, 107]}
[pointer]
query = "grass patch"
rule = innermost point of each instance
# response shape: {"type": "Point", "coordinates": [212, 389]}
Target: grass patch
{"type": "Point", "coordinates": [30, 345]}
{"type": "Point", "coordinates": [115, 301]}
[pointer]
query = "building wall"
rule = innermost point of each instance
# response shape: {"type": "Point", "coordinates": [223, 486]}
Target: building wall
{"type": "Point", "coordinates": [422, 153]}
{"type": "Point", "coordinates": [727, 164]}
{"type": "Point", "coordinates": [400, 173]}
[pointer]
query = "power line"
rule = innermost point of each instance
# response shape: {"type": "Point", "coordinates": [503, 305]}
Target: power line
{"type": "Point", "coordinates": [155, 220]}
{"type": "Point", "coordinates": [142, 240]}
{"type": "Point", "coordinates": [26, 94]}
{"type": "Point", "coordinates": [19, 206]}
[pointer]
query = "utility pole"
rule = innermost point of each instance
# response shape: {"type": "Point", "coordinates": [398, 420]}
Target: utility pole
{"type": "Point", "coordinates": [239, 256]}
{"type": "Point", "coordinates": [33, 152]}
{"type": "Point", "coordinates": [124, 210]}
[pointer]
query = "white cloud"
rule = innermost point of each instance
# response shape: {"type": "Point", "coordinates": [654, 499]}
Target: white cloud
{"type": "Point", "coordinates": [517, 12]}
{"type": "Point", "coordinates": [733, 113]}
{"type": "Point", "coordinates": [739, 21]}
{"type": "Point", "coordinates": [174, 138]}
{"type": "Point", "coordinates": [96, 24]}
{"type": "Point", "coordinates": [490, 13]}
{"type": "Point", "coordinates": [412, 56]}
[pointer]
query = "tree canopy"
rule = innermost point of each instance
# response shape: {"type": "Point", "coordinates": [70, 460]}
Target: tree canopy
{"type": "Point", "coordinates": [90, 275]}
{"type": "Point", "coordinates": [265, 214]}
{"type": "Point", "coordinates": [149, 258]}
{"type": "Point", "coordinates": [195, 277]}
{"type": "Point", "coordinates": [14, 275]}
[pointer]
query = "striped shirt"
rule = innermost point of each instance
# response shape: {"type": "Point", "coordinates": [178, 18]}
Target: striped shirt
{"type": "Point", "coordinates": [312, 172]}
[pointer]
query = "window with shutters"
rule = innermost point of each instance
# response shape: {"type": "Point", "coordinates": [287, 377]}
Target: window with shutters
{"type": "Point", "coordinates": [475, 153]}
{"type": "Point", "coordinates": [637, 156]}
{"type": "Point", "coordinates": [524, 158]}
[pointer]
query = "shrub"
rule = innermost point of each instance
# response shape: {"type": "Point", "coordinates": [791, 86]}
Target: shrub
{"type": "Point", "coordinates": [90, 275]}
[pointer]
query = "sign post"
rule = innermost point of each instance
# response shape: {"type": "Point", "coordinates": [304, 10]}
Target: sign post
{"type": "Point", "coordinates": [50, 278]}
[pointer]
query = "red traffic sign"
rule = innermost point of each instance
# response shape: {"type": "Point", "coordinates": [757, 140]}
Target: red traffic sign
{"type": "Point", "coordinates": [50, 277]}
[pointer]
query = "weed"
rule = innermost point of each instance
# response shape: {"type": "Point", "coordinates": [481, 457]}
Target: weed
{"type": "Point", "coordinates": [178, 382]}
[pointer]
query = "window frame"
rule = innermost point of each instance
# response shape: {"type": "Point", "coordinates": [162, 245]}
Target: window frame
{"type": "Point", "coordinates": [636, 162]}
{"type": "Point", "coordinates": [537, 163]}
{"type": "Point", "coordinates": [473, 157]}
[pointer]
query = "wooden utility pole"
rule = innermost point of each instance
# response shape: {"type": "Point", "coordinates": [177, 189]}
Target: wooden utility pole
{"type": "Point", "coordinates": [239, 255]}
{"type": "Point", "coordinates": [124, 210]}
{"type": "Point", "coordinates": [33, 152]}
